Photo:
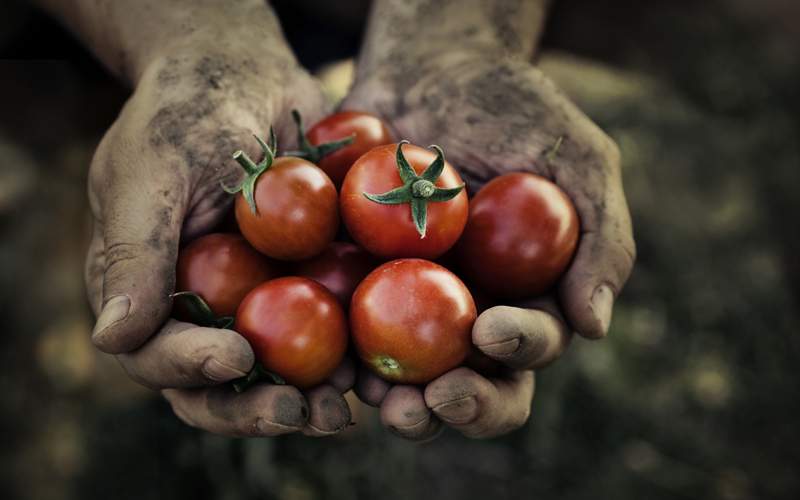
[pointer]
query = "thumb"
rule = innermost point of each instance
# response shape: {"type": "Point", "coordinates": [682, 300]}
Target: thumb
{"type": "Point", "coordinates": [130, 268]}
{"type": "Point", "coordinates": [604, 259]}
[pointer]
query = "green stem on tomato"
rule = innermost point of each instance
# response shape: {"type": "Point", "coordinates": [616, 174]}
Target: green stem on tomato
{"type": "Point", "coordinates": [550, 157]}
{"type": "Point", "coordinates": [253, 171]}
{"type": "Point", "coordinates": [417, 190]}
{"type": "Point", "coordinates": [201, 314]}
{"type": "Point", "coordinates": [257, 374]}
{"type": "Point", "coordinates": [315, 153]}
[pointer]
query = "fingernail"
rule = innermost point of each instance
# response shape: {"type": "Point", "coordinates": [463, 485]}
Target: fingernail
{"type": "Point", "coordinates": [501, 348]}
{"type": "Point", "coordinates": [116, 309]}
{"type": "Point", "coordinates": [458, 411]}
{"type": "Point", "coordinates": [269, 428]}
{"type": "Point", "coordinates": [219, 372]}
{"type": "Point", "coordinates": [602, 304]}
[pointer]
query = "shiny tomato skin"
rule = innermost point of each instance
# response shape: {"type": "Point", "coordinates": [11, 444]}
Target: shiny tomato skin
{"type": "Point", "coordinates": [388, 231]}
{"type": "Point", "coordinates": [370, 132]}
{"type": "Point", "coordinates": [520, 237]}
{"type": "Point", "coordinates": [340, 268]}
{"type": "Point", "coordinates": [297, 207]}
{"type": "Point", "coordinates": [297, 329]}
{"type": "Point", "coordinates": [411, 321]}
{"type": "Point", "coordinates": [222, 269]}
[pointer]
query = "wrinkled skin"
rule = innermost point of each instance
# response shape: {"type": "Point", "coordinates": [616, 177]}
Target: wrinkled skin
{"type": "Point", "coordinates": [154, 183]}
{"type": "Point", "coordinates": [494, 114]}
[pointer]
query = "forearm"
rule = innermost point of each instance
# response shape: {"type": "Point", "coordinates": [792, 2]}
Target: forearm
{"type": "Point", "coordinates": [126, 35]}
{"type": "Point", "coordinates": [505, 28]}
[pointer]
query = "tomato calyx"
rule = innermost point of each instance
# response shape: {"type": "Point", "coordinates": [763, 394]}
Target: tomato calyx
{"type": "Point", "coordinates": [551, 156]}
{"type": "Point", "coordinates": [201, 314]}
{"type": "Point", "coordinates": [257, 374]}
{"type": "Point", "coordinates": [315, 153]}
{"type": "Point", "coordinates": [253, 171]}
{"type": "Point", "coordinates": [417, 190]}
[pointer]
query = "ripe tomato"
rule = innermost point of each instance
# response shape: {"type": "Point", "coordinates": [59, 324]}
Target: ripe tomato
{"type": "Point", "coordinates": [297, 329]}
{"type": "Point", "coordinates": [411, 321]}
{"type": "Point", "coordinates": [297, 207]}
{"type": "Point", "coordinates": [520, 237]}
{"type": "Point", "coordinates": [221, 269]}
{"type": "Point", "coordinates": [388, 231]}
{"type": "Point", "coordinates": [340, 268]}
{"type": "Point", "coordinates": [370, 133]}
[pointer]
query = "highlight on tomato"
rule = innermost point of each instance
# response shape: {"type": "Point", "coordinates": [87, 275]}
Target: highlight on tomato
{"type": "Point", "coordinates": [411, 321]}
{"type": "Point", "coordinates": [520, 237]}
{"type": "Point", "coordinates": [297, 329]}
{"type": "Point", "coordinates": [286, 207]}
{"type": "Point", "coordinates": [403, 201]}
{"type": "Point", "coordinates": [338, 140]}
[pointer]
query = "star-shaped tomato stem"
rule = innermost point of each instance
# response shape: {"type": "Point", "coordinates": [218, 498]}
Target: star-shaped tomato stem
{"type": "Point", "coordinates": [417, 190]}
{"type": "Point", "coordinates": [315, 153]}
{"type": "Point", "coordinates": [201, 314]}
{"type": "Point", "coordinates": [253, 171]}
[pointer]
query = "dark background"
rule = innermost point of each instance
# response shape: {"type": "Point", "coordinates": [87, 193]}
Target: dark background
{"type": "Point", "coordinates": [693, 395]}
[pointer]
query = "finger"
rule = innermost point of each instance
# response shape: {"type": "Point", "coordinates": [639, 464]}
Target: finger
{"type": "Point", "coordinates": [262, 410]}
{"type": "Point", "coordinates": [329, 412]}
{"type": "Point", "coordinates": [479, 407]}
{"type": "Point", "coordinates": [344, 376]}
{"type": "Point", "coordinates": [405, 414]}
{"type": "Point", "coordinates": [606, 251]}
{"type": "Point", "coordinates": [524, 338]}
{"type": "Point", "coordinates": [136, 246]}
{"type": "Point", "coordinates": [370, 388]}
{"type": "Point", "coordinates": [183, 355]}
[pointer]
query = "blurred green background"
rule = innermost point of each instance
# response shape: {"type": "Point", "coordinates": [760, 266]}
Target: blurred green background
{"type": "Point", "coordinates": [694, 394]}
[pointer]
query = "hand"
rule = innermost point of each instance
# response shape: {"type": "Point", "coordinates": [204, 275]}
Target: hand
{"type": "Point", "coordinates": [154, 182]}
{"type": "Point", "coordinates": [492, 116]}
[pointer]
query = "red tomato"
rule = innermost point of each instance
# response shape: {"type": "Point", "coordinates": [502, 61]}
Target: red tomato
{"type": "Point", "coordinates": [297, 207]}
{"type": "Point", "coordinates": [520, 237]}
{"type": "Point", "coordinates": [221, 269]}
{"type": "Point", "coordinates": [370, 132]}
{"type": "Point", "coordinates": [340, 268]}
{"type": "Point", "coordinates": [388, 231]}
{"type": "Point", "coordinates": [297, 329]}
{"type": "Point", "coordinates": [411, 321]}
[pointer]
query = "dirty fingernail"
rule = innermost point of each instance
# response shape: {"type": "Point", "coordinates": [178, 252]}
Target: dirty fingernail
{"type": "Point", "coordinates": [219, 372]}
{"type": "Point", "coordinates": [501, 348]}
{"type": "Point", "coordinates": [269, 428]}
{"type": "Point", "coordinates": [116, 309]}
{"type": "Point", "coordinates": [602, 304]}
{"type": "Point", "coordinates": [458, 411]}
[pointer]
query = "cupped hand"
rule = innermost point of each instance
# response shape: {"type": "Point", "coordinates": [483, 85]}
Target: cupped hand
{"type": "Point", "coordinates": [154, 183]}
{"type": "Point", "coordinates": [493, 116]}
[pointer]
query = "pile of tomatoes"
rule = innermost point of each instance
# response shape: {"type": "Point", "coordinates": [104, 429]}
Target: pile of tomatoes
{"type": "Point", "coordinates": [392, 285]}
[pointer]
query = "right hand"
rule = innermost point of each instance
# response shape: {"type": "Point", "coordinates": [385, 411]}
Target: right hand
{"type": "Point", "coordinates": [153, 183]}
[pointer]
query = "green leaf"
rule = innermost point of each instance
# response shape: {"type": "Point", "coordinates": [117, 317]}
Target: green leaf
{"type": "Point", "coordinates": [434, 170]}
{"type": "Point", "coordinates": [442, 194]}
{"type": "Point", "coordinates": [419, 212]}
{"type": "Point", "coordinates": [257, 374]}
{"type": "Point", "coordinates": [201, 314]}
{"type": "Point", "coordinates": [407, 173]}
{"type": "Point", "coordinates": [403, 194]}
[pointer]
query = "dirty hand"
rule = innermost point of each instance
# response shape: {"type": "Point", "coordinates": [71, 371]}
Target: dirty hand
{"type": "Point", "coordinates": [451, 81]}
{"type": "Point", "coordinates": [201, 90]}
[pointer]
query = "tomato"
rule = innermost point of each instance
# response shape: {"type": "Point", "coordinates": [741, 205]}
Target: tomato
{"type": "Point", "coordinates": [297, 329]}
{"type": "Point", "coordinates": [221, 269]}
{"type": "Point", "coordinates": [520, 237]}
{"type": "Point", "coordinates": [340, 268]}
{"type": "Point", "coordinates": [411, 321]}
{"type": "Point", "coordinates": [297, 207]}
{"type": "Point", "coordinates": [370, 132]}
{"type": "Point", "coordinates": [389, 231]}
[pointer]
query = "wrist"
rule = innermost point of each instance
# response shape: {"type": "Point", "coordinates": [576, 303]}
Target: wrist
{"type": "Point", "coordinates": [413, 29]}
{"type": "Point", "coordinates": [128, 36]}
